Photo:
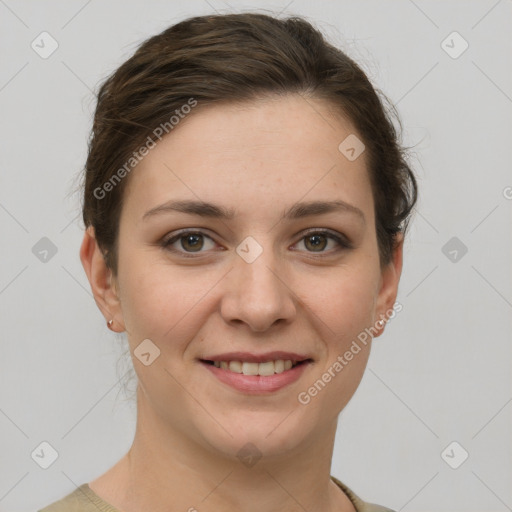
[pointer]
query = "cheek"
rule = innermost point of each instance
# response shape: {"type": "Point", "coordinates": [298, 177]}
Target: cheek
{"type": "Point", "coordinates": [146, 292]}
{"type": "Point", "coordinates": [343, 311]}
{"type": "Point", "coordinates": [344, 307]}
{"type": "Point", "coordinates": [162, 302]}
{"type": "Point", "coordinates": [344, 300]}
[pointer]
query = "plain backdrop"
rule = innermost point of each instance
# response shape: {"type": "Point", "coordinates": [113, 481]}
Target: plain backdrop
{"type": "Point", "coordinates": [437, 387]}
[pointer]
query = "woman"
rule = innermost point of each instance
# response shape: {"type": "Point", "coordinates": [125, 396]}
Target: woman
{"type": "Point", "coordinates": [245, 203]}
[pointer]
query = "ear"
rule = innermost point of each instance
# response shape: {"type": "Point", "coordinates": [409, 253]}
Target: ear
{"type": "Point", "coordinates": [390, 277]}
{"type": "Point", "coordinates": [103, 283]}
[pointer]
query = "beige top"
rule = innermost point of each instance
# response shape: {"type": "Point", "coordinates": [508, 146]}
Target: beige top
{"type": "Point", "coordinates": [84, 499]}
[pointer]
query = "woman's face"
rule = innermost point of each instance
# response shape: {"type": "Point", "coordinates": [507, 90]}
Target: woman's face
{"type": "Point", "coordinates": [264, 280]}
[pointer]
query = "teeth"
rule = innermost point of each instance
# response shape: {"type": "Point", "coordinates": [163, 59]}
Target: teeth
{"type": "Point", "coordinates": [250, 368]}
{"type": "Point", "coordinates": [235, 366]}
{"type": "Point", "coordinates": [279, 366]}
{"type": "Point", "coordinates": [264, 369]}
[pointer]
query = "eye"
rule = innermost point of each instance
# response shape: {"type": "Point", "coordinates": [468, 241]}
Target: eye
{"type": "Point", "coordinates": [188, 241]}
{"type": "Point", "coordinates": [317, 241]}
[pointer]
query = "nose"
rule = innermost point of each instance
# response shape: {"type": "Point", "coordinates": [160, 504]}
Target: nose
{"type": "Point", "coordinates": [257, 294]}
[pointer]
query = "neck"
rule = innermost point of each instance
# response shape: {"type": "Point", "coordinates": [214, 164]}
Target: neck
{"type": "Point", "coordinates": [166, 467]}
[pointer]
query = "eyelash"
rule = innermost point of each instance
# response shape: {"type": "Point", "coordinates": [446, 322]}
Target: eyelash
{"type": "Point", "coordinates": [166, 243]}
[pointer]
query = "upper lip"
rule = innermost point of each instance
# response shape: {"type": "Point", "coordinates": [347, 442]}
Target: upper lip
{"type": "Point", "coordinates": [257, 358]}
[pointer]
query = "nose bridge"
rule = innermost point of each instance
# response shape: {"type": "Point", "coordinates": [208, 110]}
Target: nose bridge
{"type": "Point", "coordinates": [257, 294]}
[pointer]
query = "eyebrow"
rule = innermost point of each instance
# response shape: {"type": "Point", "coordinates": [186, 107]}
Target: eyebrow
{"type": "Point", "coordinates": [297, 211]}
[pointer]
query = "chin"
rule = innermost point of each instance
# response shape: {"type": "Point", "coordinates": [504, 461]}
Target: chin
{"type": "Point", "coordinates": [257, 434]}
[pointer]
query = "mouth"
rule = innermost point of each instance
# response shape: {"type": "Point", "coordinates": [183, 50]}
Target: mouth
{"type": "Point", "coordinates": [253, 374]}
{"type": "Point", "coordinates": [263, 368]}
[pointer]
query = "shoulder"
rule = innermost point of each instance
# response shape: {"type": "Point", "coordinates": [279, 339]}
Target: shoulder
{"type": "Point", "coordinates": [82, 499]}
{"type": "Point", "coordinates": [359, 504]}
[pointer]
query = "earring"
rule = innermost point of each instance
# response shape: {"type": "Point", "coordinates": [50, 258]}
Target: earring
{"type": "Point", "coordinates": [110, 323]}
{"type": "Point", "coordinates": [381, 323]}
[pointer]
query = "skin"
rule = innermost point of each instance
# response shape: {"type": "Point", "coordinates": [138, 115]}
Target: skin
{"type": "Point", "coordinates": [258, 158]}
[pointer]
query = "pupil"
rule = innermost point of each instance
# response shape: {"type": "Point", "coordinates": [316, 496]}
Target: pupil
{"type": "Point", "coordinates": [318, 242]}
{"type": "Point", "coordinates": [195, 241]}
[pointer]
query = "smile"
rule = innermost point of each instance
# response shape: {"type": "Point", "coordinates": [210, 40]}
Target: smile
{"type": "Point", "coordinates": [257, 378]}
{"type": "Point", "coordinates": [264, 369]}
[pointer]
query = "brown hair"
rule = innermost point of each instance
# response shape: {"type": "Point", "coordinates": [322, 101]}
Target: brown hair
{"type": "Point", "coordinates": [227, 58]}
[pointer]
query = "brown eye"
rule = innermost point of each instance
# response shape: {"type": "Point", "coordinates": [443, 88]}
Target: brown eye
{"type": "Point", "coordinates": [318, 241]}
{"type": "Point", "coordinates": [193, 242]}
{"type": "Point", "coordinates": [187, 242]}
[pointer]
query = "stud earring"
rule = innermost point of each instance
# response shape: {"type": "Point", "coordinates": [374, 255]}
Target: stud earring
{"type": "Point", "coordinates": [110, 323]}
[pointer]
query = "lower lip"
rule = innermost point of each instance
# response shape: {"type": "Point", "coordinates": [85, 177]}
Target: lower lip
{"type": "Point", "coordinates": [257, 384]}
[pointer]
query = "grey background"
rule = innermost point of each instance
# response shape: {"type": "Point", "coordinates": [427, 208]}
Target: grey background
{"type": "Point", "coordinates": [441, 372]}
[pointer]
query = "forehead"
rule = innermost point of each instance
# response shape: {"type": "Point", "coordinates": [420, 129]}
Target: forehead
{"type": "Point", "coordinates": [266, 152]}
